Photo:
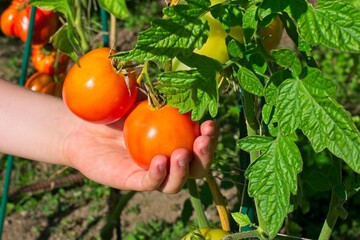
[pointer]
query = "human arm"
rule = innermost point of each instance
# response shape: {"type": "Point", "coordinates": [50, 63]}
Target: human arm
{"type": "Point", "coordinates": [40, 127]}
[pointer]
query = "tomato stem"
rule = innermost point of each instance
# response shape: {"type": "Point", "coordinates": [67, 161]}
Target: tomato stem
{"type": "Point", "coordinates": [254, 234]}
{"type": "Point", "coordinates": [335, 203]}
{"type": "Point", "coordinates": [83, 41]}
{"type": "Point", "coordinates": [107, 230]}
{"type": "Point", "coordinates": [156, 100]}
{"type": "Point", "coordinates": [219, 202]}
{"type": "Point", "coordinates": [252, 127]}
{"type": "Point", "coordinates": [196, 203]}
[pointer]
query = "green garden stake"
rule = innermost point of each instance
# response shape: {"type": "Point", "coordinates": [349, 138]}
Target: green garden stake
{"type": "Point", "coordinates": [10, 159]}
{"type": "Point", "coordinates": [105, 26]}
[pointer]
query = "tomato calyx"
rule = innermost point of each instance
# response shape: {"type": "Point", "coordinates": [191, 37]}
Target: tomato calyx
{"type": "Point", "coordinates": [155, 99]}
{"type": "Point", "coordinates": [125, 68]}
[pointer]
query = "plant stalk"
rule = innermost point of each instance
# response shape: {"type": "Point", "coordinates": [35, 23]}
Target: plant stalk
{"type": "Point", "coordinates": [252, 128]}
{"type": "Point", "coordinates": [83, 42]}
{"type": "Point", "coordinates": [219, 202]}
{"type": "Point", "coordinates": [254, 234]}
{"type": "Point", "coordinates": [331, 219]}
{"type": "Point", "coordinates": [196, 203]}
{"type": "Point", "coordinates": [335, 204]}
{"type": "Point", "coordinates": [107, 230]}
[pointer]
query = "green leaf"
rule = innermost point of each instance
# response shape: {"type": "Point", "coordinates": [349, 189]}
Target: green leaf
{"type": "Point", "coordinates": [272, 179]}
{"type": "Point", "coordinates": [190, 91]}
{"type": "Point", "coordinates": [288, 108]}
{"type": "Point", "coordinates": [268, 7]}
{"type": "Point", "coordinates": [250, 23]}
{"type": "Point", "coordinates": [54, 5]}
{"type": "Point", "coordinates": [307, 104]}
{"type": "Point", "coordinates": [267, 113]}
{"type": "Point", "coordinates": [255, 143]}
{"type": "Point", "coordinates": [288, 59]}
{"type": "Point", "coordinates": [250, 82]}
{"type": "Point", "coordinates": [271, 87]}
{"type": "Point", "coordinates": [335, 24]}
{"type": "Point", "coordinates": [169, 37]}
{"type": "Point", "coordinates": [236, 49]}
{"type": "Point", "coordinates": [241, 219]}
{"type": "Point", "coordinates": [118, 8]}
{"type": "Point", "coordinates": [257, 63]}
{"type": "Point", "coordinates": [61, 41]}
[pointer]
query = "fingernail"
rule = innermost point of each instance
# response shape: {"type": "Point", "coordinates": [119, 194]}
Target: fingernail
{"type": "Point", "coordinates": [206, 149]}
{"type": "Point", "coordinates": [182, 162]}
{"type": "Point", "coordinates": [161, 167]}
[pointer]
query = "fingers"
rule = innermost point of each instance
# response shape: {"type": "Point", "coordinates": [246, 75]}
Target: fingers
{"type": "Point", "coordinates": [178, 171]}
{"type": "Point", "coordinates": [208, 128]}
{"type": "Point", "coordinates": [156, 174]}
{"type": "Point", "coordinates": [204, 147]}
{"type": "Point", "coordinates": [167, 175]}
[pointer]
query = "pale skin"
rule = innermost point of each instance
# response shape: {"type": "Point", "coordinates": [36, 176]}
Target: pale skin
{"type": "Point", "coordinates": [39, 127]}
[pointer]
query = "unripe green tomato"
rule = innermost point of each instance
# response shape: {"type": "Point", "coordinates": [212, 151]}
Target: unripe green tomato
{"type": "Point", "coordinates": [206, 233]}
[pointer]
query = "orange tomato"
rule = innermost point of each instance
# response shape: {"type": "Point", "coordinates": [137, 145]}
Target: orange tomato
{"type": "Point", "coordinates": [96, 91]}
{"type": "Point", "coordinates": [149, 132]}
{"type": "Point", "coordinates": [44, 60]}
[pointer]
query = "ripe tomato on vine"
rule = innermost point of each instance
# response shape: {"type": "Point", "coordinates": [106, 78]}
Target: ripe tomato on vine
{"type": "Point", "coordinates": [44, 60]}
{"type": "Point", "coordinates": [96, 91]}
{"type": "Point", "coordinates": [45, 25]}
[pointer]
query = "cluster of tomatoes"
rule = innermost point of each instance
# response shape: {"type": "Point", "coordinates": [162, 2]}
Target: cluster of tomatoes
{"type": "Point", "coordinates": [101, 92]}
{"type": "Point", "coordinates": [16, 18]}
{"type": "Point", "coordinates": [15, 21]}
{"type": "Point", "coordinates": [48, 63]}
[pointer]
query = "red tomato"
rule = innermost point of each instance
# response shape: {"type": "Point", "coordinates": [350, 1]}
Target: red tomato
{"type": "Point", "coordinates": [8, 18]}
{"type": "Point", "coordinates": [44, 60]}
{"type": "Point", "coordinates": [45, 25]}
{"type": "Point", "coordinates": [96, 92]}
{"type": "Point", "coordinates": [149, 132]}
{"type": "Point", "coordinates": [41, 82]}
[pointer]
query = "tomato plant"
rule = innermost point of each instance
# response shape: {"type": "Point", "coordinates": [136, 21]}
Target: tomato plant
{"type": "Point", "coordinates": [149, 132]}
{"type": "Point", "coordinates": [45, 25]}
{"type": "Point", "coordinates": [41, 82]}
{"type": "Point", "coordinates": [206, 234]}
{"type": "Point", "coordinates": [96, 91]}
{"type": "Point", "coordinates": [282, 99]}
{"type": "Point", "coordinates": [44, 60]}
